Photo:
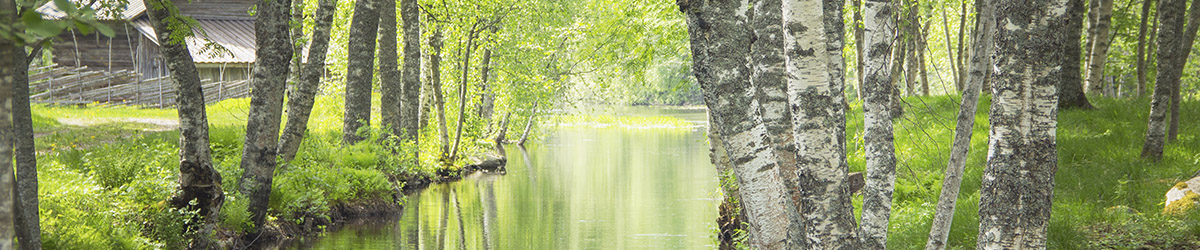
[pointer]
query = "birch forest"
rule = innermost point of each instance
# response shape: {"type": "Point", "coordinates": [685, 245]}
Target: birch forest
{"type": "Point", "coordinates": [599, 124]}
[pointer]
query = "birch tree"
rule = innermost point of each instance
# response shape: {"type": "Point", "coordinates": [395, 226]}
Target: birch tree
{"type": "Point", "coordinates": [266, 107]}
{"type": "Point", "coordinates": [720, 40]}
{"type": "Point", "coordinates": [1098, 52]}
{"type": "Point", "coordinates": [813, 44]}
{"type": "Point", "coordinates": [880, 29]}
{"type": "Point", "coordinates": [1170, 68]}
{"type": "Point", "coordinates": [1018, 183]}
{"type": "Point", "coordinates": [360, 64]}
{"type": "Point", "coordinates": [301, 98]}
{"type": "Point", "coordinates": [767, 77]}
{"type": "Point", "coordinates": [980, 65]}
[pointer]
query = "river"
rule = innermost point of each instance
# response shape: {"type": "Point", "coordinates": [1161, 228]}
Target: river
{"type": "Point", "coordinates": [589, 187]}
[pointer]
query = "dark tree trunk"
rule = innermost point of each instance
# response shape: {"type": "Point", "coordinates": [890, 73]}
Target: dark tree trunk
{"type": "Point", "coordinates": [360, 64]}
{"type": "Point", "coordinates": [198, 181]}
{"type": "Point", "coordinates": [27, 225]}
{"type": "Point", "coordinates": [391, 90]}
{"type": "Point", "coordinates": [411, 100]}
{"type": "Point", "coordinates": [1170, 68]}
{"type": "Point", "coordinates": [487, 99]}
{"type": "Point", "coordinates": [858, 48]}
{"type": "Point", "coordinates": [1022, 152]}
{"type": "Point", "coordinates": [266, 107]}
{"type": "Point", "coordinates": [1189, 37]}
{"type": "Point", "coordinates": [1070, 90]}
{"type": "Point", "coordinates": [1141, 47]}
{"type": "Point", "coordinates": [301, 98]}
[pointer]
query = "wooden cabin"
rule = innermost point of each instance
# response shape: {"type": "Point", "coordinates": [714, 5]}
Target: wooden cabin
{"type": "Point", "coordinates": [135, 46]}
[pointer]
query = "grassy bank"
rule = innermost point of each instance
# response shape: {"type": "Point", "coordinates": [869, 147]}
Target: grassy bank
{"type": "Point", "coordinates": [105, 173]}
{"type": "Point", "coordinates": [1105, 196]}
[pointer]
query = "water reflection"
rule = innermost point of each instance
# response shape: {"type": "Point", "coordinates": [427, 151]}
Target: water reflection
{"type": "Point", "coordinates": [581, 189]}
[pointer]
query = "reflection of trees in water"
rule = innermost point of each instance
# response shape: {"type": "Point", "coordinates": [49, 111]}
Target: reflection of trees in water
{"type": "Point", "coordinates": [462, 231]}
{"type": "Point", "coordinates": [487, 198]}
{"type": "Point", "coordinates": [445, 217]}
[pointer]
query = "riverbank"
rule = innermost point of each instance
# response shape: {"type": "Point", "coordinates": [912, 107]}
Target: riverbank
{"type": "Point", "coordinates": [105, 173]}
{"type": "Point", "coordinates": [282, 233]}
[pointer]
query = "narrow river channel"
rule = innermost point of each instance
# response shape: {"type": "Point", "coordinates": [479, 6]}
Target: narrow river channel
{"type": "Point", "coordinates": [583, 187]}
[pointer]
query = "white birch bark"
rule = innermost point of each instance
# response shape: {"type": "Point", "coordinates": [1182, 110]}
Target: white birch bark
{"type": "Point", "coordinates": [1018, 183]}
{"type": "Point", "coordinates": [720, 40]}
{"type": "Point", "coordinates": [1098, 52]}
{"type": "Point", "coordinates": [812, 45]}
{"type": "Point", "coordinates": [879, 20]}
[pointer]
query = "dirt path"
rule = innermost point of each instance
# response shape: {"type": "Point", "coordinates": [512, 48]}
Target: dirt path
{"type": "Point", "coordinates": [157, 124]}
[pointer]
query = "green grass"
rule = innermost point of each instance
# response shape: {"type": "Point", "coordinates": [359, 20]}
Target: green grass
{"type": "Point", "coordinates": [1099, 170]}
{"type": "Point", "coordinates": [106, 172]}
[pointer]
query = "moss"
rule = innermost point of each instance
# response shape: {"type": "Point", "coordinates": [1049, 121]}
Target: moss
{"type": "Point", "coordinates": [1188, 202]}
{"type": "Point", "coordinates": [1181, 185]}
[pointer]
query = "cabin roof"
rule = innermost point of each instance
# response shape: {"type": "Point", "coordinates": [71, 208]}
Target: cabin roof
{"type": "Point", "coordinates": [132, 10]}
{"type": "Point", "coordinates": [236, 36]}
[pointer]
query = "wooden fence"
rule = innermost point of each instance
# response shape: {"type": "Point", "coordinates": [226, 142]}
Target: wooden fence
{"type": "Point", "coordinates": [78, 86]}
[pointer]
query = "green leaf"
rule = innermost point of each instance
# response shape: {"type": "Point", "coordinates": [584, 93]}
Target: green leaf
{"type": "Point", "coordinates": [38, 26]}
{"type": "Point", "coordinates": [103, 29]}
{"type": "Point", "coordinates": [65, 6]}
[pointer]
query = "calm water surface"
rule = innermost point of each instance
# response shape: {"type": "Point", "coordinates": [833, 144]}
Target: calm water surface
{"type": "Point", "coordinates": [580, 188]}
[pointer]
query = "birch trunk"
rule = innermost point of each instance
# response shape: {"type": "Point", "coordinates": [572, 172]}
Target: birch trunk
{"type": "Point", "coordinates": [721, 41]}
{"type": "Point", "coordinates": [390, 88]}
{"type": "Point", "coordinates": [465, 68]}
{"type": "Point", "coordinates": [770, 90]}
{"type": "Point", "coordinates": [439, 100]}
{"type": "Point", "coordinates": [266, 106]}
{"type": "Point", "coordinates": [360, 64]}
{"type": "Point", "coordinates": [198, 180]}
{"type": "Point", "coordinates": [1099, 50]}
{"type": "Point", "coordinates": [302, 97]}
{"type": "Point", "coordinates": [528, 125]}
{"type": "Point", "coordinates": [980, 63]}
{"type": "Point", "coordinates": [881, 30]}
{"type": "Point", "coordinates": [1170, 68]}
{"type": "Point", "coordinates": [1141, 48]}
{"type": "Point", "coordinates": [813, 45]}
{"type": "Point", "coordinates": [1070, 90]}
{"type": "Point", "coordinates": [8, 13]}
{"type": "Point", "coordinates": [1018, 183]}
{"type": "Point", "coordinates": [411, 100]}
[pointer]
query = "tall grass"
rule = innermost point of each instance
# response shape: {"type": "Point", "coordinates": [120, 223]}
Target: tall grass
{"type": "Point", "coordinates": [1105, 196]}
